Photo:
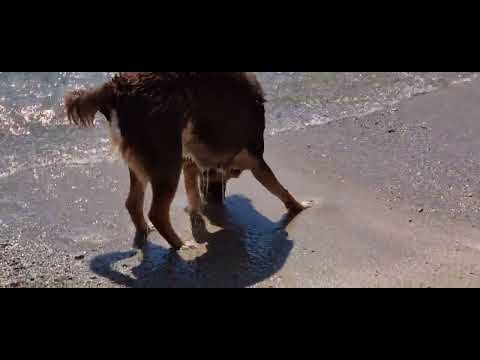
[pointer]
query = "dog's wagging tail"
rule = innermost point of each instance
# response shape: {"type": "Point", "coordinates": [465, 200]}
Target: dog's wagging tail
{"type": "Point", "coordinates": [208, 125]}
{"type": "Point", "coordinates": [83, 105]}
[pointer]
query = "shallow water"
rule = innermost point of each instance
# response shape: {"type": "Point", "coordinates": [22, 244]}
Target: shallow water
{"type": "Point", "coordinates": [29, 101]}
{"type": "Point", "coordinates": [34, 133]}
{"type": "Point", "coordinates": [297, 100]}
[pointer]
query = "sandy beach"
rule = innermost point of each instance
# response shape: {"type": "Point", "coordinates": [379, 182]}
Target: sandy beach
{"type": "Point", "coordinates": [396, 195]}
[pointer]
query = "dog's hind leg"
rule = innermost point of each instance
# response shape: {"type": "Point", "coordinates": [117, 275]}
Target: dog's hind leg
{"type": "Point", "coordinates": [163, 193]}
{"type": "Point", "coordinates": [134, 206]}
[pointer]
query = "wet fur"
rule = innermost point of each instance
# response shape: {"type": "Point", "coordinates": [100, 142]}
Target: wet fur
{"type": "Point", "coordinates": [166, 122]}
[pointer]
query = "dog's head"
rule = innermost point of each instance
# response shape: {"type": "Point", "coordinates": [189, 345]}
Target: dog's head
{"type": "Point", "coordinates": [213, 184]}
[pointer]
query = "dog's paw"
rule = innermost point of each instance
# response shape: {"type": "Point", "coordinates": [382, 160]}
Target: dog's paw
{"type": "Point", "coordinates": [307, 204]}
{"type": "Point", "coordinates": [141, 239]}
{"type": "Point", "coordinates": [298, 207]}
{"type": "Point", "coordinates": [189, 245]}
{"type": "Point", "coordinates": [151, 229]}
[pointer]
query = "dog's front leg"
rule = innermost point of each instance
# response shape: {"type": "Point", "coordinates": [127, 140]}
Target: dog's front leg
{"type": "Point", "coordinates": [264, 174]}
{"type": "Point", "coordinates": [190, 173]}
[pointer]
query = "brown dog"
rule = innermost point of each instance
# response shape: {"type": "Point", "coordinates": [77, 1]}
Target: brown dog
{"type": "Point", "coordinates": [209, 124]}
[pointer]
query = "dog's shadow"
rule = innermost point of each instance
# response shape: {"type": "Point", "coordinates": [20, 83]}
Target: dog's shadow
{"type": "Point", "coordinates": [248, 249]}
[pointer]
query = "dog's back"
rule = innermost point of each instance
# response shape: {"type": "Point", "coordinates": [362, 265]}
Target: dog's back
{"type": "Point", "coordinates": [226, 109]}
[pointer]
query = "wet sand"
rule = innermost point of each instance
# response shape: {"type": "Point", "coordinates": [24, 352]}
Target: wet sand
{"type": "Point", "coordinates": [397, 202]}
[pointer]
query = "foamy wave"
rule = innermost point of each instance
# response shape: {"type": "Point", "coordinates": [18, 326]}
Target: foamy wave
{"type": "Point", "coordinates": [81, 158]}
{"type": "Point", "coordinates": [464, 80]}
{"type": "Point", "coordinates": [32, 100]}
{"type": "Point", "coordinates": [362, 110]}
